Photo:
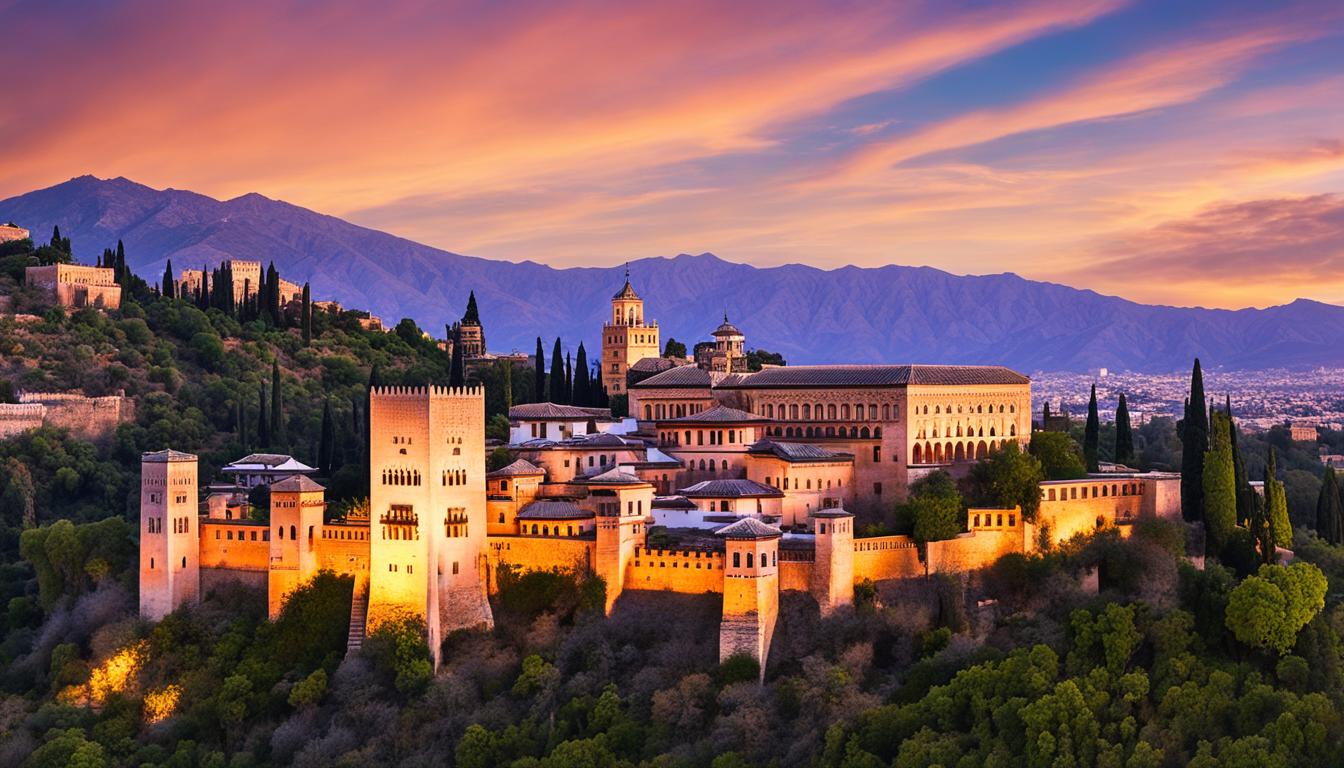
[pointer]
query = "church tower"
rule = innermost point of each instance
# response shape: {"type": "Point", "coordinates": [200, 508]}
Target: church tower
{"type": "Point", "coordinates": [626, 338]}
{"type": "Point", "coordinates": [427, 508]}
{"type": "Point", "coordinates": [170, 546]}
{"type": "Point", "coordinates": [470, 331]}
{"type": "Point", "coordinates": [750, 589]}
{"type": "Point", "coordinates": [297, 504]}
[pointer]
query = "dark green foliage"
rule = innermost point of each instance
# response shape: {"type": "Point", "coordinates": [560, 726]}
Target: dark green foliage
{"type": "Point", "coordinates": [739, 668]}
{"type": "Point", "coordinates": [263, 422]}
{"type": "Point", "coordinates": [278, 439]}
{"type": "Point", "coordinates": [306, 315]}
{"type": "Point", "coordinates": [326, 449]}
{"type": "Point", "coordinates": [457, 363]}
{"type": "Point", "coordinates": [1060, 456]}
{"type": "Point", "coordinates": [1124, 435]}
{"type": "Point", "coordinates": [539, 372]}
{"type": "Point", "coordinates": [472, 316]}
{"type": "Point", "coordinates": [1330, 510]}
{"type": "Point", "coordinates": [674, 348]}
{"type": "Point", "coordinates": [582, 394]}
{"type": "Point", "coordinates": [1276, 503]}
{"type": "Point", "coordinates": [934, 510]}
{"type": "Point", "coordinates": [758, 358]}
{"type": "Point", "coordinates": [1219, 485]}
{"type": "Point", "coordinates": [1007, 478]}
{"type": "Point", "coordinates": [70, 559]}
{"type": "Point", "coordinates": [1193, 431]}
{"type": "Point", "coordinates": [555, 390]}
{"type": "Point", "coordinates": [1092, 434]}
{"type": "Point", "coordinates": [169, 286]}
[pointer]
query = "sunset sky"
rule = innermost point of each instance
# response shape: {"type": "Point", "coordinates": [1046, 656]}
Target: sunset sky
{"type": "Point", "coordinates": [1174, 152]}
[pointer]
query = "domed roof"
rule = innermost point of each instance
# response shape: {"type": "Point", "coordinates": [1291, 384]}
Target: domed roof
{"type": "Point", "coordinates": [727, 328]}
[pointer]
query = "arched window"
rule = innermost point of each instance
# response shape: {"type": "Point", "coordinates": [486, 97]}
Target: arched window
{"type": "Point", "coordinates": [807, 411]}
{"type": "Point", "coordinates": [292, 534]}
{"type": "Point", "coordinates": [749, 560]}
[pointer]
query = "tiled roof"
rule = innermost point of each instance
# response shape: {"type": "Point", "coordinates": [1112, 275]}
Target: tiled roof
{"type": "Point", "coordinates": [720, 414]}
{"type": "Point", "coordinates": [519, 468]}
{"type": "Point", "coordinates": [681, 376]}
{"type": "Point", "coordinates": [299, 483]}
{"type": "Point", "coordinates": [652, 365]}
{"type": "Point", "coordinates": [626, 292]}
{"type": "Point", "coordinates": [271, 462]}
{"type": "Point", "coordinates": [726, 329]}
{"type": "Point", "coordinates": [167, 455]}
{"type": "Point", "coordinates": [876, 376]}
{"type": "Point", "coordinates": [672, 502]}
{"type": "Point", "coordinates": [535, 411]}
{"type": "Point", "coordinates": [748, 528]}
{"type": "Point", "coordinates": [830, 512]}
{"type": "Point", "coordinates": [797, 451]}
{"type": "Point", "coordinates": [614, 477]}
{"type": "Point", "coordinates": [730, 488]}
{"type": "Point", "coordinates": [548, 509]}
{"type": "Point", "coordinates": [582, 442]}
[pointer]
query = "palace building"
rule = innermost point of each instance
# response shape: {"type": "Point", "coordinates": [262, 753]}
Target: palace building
{"type": "Point", "coordinates": [77, 285]}
{"type": "Point", "coordinates": [723, 481]}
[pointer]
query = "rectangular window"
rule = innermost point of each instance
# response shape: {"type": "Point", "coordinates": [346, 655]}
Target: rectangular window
{"type": "Point", "coordinates": [877, 489]}
{"type": "Point", "coordinates": [454, 567]}
{"type": "Point", "coordinates": [877, 453]}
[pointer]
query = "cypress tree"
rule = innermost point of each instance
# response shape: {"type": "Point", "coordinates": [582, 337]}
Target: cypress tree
{"type": "Point", "coordinates": [540, 374]}
{"type": "Point", "coordinates": [1193, 430]}
{"type": "Point", "coordinates": [169, 287]}
{"type": "Point", "coordinates": [456, 369]}
{"type": "Point", "coordinates": [120, 269]}
{"type": "Point", "coordinates": [307, 316]}
{"type": "Point", "coordinates": [508, 386]}
{"type": "Point", "coordinates": [1092, 435]}
{"type": "Point", "coordinates": [56, 236]}
{"type": "Point", "coordinates": [556, 391]}
{"type": "Point", "coordinates": [569, 379]}
{"type": "Point", "coordinates": [1124, 436]}
{"type": "Point", "coordinates": [1276, 503]}
{"type": "Point", "coordinates": [326, 445]}
{"type": "Point", "coordinates": [472, 317]}
{"type": "Point", "coordinates": [263, 424]}
{"type": "Point", "coordinates": [273, 296]}
{"type": "Point", "coordinates": [582, 394]}
{"type": "Point", "coordinates": [1220, 493]}
{"type": "Point", "coordinates": [1244, 490]}
{"type": "Point", "coordinates": [277, 408]}
{"type": "Point", "coordinates": [1330, 509]}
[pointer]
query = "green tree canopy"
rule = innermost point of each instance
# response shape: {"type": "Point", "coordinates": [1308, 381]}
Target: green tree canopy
{"type": "Point", "coordinates": [1061, 458]}
{"type": "Point", "coordinates": [1267, 610]}
{"type": "Point", "coordinates": [1008, 478]}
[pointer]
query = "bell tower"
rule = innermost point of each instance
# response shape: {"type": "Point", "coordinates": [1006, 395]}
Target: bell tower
{"type": "Point", "coordinates": [170, 542]}
{"type": "Point", "coordinates": [626, 337]}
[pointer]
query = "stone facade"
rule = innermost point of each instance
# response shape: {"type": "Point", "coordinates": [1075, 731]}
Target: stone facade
{"type": "Point", "coordinates": [77, 285]}
{"type": "Point", "coordinates": [8, 233]}
{"type": "Point", "coordinates": [169, 533]}
{"type": "Point", "coordinates": [626, 339]}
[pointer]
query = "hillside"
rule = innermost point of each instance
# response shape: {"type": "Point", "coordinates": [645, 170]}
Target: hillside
{"type": "Point", "coordinates": [892, 313]}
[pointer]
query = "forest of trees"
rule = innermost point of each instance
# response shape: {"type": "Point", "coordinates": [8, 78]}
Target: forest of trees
{"type": "Point", "coordinates": [1156, 649]}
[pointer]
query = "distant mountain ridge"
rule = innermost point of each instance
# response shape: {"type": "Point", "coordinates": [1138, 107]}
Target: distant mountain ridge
{"type": "Point", "coordinates": [851, 314]}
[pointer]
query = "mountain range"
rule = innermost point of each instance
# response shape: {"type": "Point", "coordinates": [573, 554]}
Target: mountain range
{"type": "Point", "coordinates": [850, 314]}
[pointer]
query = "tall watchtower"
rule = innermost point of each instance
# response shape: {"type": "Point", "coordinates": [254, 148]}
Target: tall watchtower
{"type": "Point", "coordinates": [626, 338]}
{"type": "Point", "coordinates": [750, 589]}
{"type": "Point", "coordinates": [297, 504]}
{"type": "Point", "coordinates": [833, 566]}
{"type": "Point", "coordinates": [170, 574]}
{"type": "Point", "coordinates": [427, 507]}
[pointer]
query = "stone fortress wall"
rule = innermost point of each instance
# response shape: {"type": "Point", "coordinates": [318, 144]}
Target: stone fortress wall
{"type": "Point", "coordinates": [88, 418]}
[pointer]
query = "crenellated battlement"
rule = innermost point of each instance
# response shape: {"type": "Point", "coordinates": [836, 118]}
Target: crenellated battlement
{"type": "Point", "coordinates": [22, 412]}
{"type": "Point", "coordinates": [435, 392]}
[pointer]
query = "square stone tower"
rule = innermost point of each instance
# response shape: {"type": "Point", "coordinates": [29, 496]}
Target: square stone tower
{"type": "Point", "coordinates": [750, 589]}
{"type": "Point", "coordinates": [427, 508]}
{"type": "Point", "coordinates": [170, 574]}
{"type": "Point", "coordinates": [626, 338]}
{"type": "Point", "coordinates": [833, 567]}
{"type": "Point", "coordinates": [297, 504]}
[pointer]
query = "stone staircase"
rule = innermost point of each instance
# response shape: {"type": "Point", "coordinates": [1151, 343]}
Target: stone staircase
{"type": "Point", "coordinates": [359, 611]}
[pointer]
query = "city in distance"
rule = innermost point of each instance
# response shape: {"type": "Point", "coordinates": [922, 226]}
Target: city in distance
{"type": "Point", "coordinates": [996, 421]}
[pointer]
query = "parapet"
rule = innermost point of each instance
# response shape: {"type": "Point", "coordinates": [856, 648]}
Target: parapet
{"type": "Point", "coordinates": [434, 392]}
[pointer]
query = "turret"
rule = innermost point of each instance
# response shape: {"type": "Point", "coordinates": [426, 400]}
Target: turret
{"type": "Point", "coordinates": [623, 506]}
{"type": "Point", "coordinates": [297, 504]}
{"type": "Point", "coordinates": [170, 574]}
{"type": "Point", "coordinates": [833, 566]}
{"type": "Point", "coordinates": [750, 589]}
